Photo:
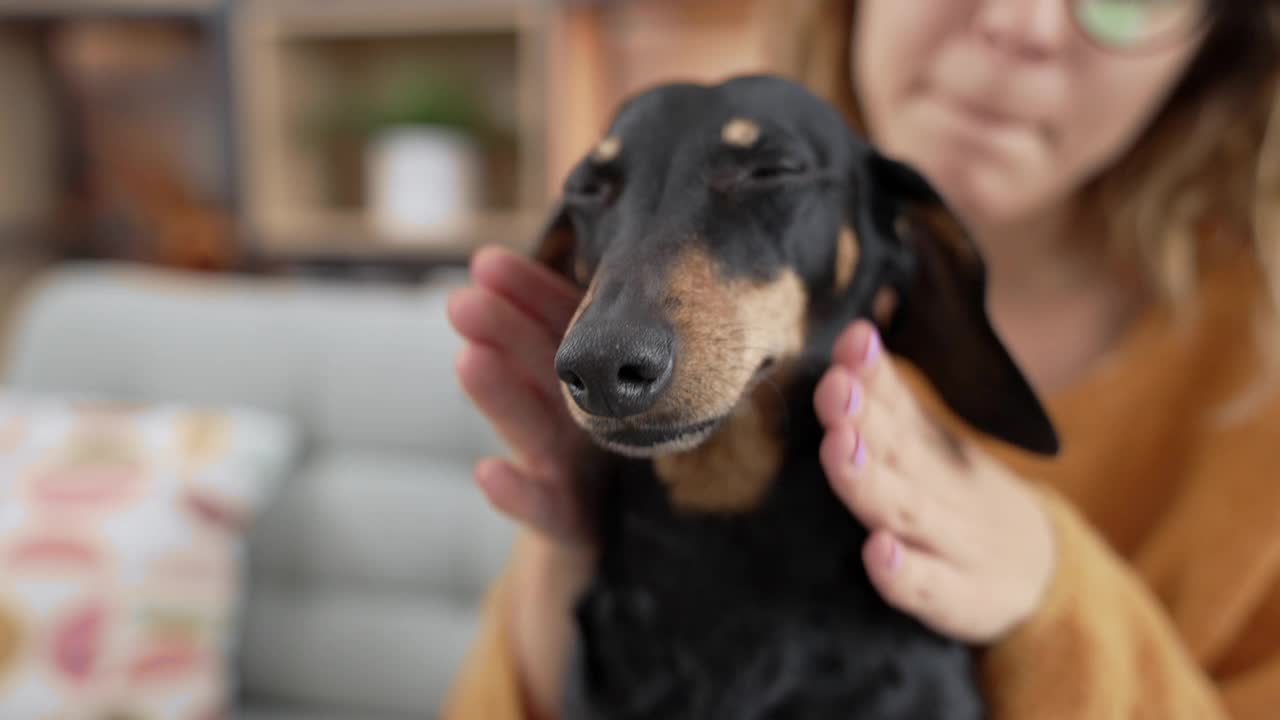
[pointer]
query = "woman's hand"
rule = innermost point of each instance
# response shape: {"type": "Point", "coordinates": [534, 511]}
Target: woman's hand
{"type": "Point", "coordinates": [956, 540]}
{"type": "Point", "coordinates": [513, 316]}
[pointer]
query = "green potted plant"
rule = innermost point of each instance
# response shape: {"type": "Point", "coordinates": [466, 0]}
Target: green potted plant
{"type": "Point", "coordinates": [422, 159]}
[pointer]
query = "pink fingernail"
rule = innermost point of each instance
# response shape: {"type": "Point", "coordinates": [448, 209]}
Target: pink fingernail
{"type": "Point", "coordinates": [855, 398]}
{"type": "Point", "coordinates": [860, 453]}
{"type": "Point", "coordinates": [873, 348]}
{"type": "Point", "coordinates": [895, 556]}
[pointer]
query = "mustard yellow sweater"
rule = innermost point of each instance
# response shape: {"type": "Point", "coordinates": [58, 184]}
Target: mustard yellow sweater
{"type": "Point", "coordinates": [1165, 603]}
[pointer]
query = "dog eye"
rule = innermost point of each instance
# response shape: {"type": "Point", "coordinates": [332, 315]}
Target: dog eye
{"type": "Point", "coordinates": [591, 190]}
{"type": "Point", "coordinates": [775, 171]}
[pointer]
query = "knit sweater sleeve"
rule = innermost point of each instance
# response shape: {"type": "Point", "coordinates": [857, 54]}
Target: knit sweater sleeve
{"type": "Point", "coordinates": [1101, 647]}
{"type": "Point", "coordinates": [487, 685]}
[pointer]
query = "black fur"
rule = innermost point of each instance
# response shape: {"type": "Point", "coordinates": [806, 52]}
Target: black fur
{"type": "Point", "coordinates": [767, 613]}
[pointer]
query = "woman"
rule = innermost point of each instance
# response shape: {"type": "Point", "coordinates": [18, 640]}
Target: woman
{"type": "Point", "coordinates": [1114, 159]}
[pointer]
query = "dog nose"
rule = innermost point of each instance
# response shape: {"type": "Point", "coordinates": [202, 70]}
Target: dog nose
{"type": "Point", "coordinates": [616, 371]}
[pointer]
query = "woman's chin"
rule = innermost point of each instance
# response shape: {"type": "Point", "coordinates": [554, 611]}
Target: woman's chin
{"type": "Point", "coordinates": [983, 196]}
{"type": "Point", "coordinates": [986, 187]}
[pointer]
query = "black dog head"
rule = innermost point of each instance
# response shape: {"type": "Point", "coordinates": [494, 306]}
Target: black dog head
{"type": "Point", "coordinates": [720, 230]}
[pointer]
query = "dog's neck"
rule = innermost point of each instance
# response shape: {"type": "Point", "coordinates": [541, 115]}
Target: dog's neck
{"type": "Point", "coordinates": [733, 470]}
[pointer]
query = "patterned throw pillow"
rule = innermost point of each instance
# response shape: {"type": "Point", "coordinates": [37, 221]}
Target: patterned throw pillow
{"type": "Point", "coordinates": [121, 541]}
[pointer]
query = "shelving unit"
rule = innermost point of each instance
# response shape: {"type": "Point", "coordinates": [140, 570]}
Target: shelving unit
{"type": "Point", "coordinates": [556, 68]}
{"type": "Point", "coordinates": [65, 8]}
{"type": "Point", "coordinates": [293, 56]}
{"type": "Point", "coordinates": [59, 61]}
{"type": "Point", "coordinates": [548, 72]}
{"type": "Point", "coordinates": [28, 154]}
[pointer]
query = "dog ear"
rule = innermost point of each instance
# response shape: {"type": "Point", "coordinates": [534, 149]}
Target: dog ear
{"type": "Point", "coordinates": [940, 321]}
{"type": "Point", "coordinates": [557, 243]}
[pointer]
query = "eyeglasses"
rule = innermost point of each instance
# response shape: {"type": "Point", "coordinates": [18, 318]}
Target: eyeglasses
{"type": "Point", "coordinates": [1140, 25]}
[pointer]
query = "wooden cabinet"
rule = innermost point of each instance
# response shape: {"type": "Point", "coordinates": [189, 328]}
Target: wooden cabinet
{"type": "Point", "coordinates": [296, 60]}
{"type": "Point", "coordinates": [28, 142]}
{"type": "Point", "coordinates": [547, 73]}
{"type": "Point", "coordinates": [112, 142]}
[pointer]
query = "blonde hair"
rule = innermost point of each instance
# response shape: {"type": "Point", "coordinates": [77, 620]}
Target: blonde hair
{"type": "Point", "coordinates": [1203, 180]}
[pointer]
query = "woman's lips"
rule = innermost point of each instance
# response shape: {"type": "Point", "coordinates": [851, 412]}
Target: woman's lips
{"type": "Point", "coordinates": [984, 114]}
{"type": "Point", "coordinates": [976, 113]}
{"type": "Point", "coordinates": [979, 125]}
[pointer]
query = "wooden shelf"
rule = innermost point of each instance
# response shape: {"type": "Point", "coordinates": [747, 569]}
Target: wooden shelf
{"type": "Point", "coordinates": [114, 131]}
{"type": "Point", "coordinates": [549, 71]}
{"type": "Point", "coordinates": [346, 234]}
{"type": "Point", "coordinates": [23, 239]}
{"type": "Point", "coordinates": [343, 18]}
{"type": "Point", "coordinates": [57, 8]}
{"type": "Point", "coordinates": [294, 56]}
{"type": "Point", "coordinates": [28, 137]}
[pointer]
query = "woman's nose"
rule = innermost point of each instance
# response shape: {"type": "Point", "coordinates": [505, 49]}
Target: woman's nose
{"type": "Point", "coordinates": [1029, 29]}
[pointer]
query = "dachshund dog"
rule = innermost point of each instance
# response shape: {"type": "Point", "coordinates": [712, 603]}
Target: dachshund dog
{"type": "Point", "coordinates": [724, 235]}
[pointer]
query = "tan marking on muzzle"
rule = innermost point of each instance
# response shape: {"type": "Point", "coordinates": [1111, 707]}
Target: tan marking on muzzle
{"type": "Point", "coordinates": [734, 469]}
{"type": "Point", "coordinates": [847, 252]}
{"type": "Point", "coordinates": [740, 132]}
{"type": "Point", "coordinates": [581, 271]}
{"type": "Point", "coordinates": [725, 330]}
{"type": "Point", "coordinates": [607, 149]}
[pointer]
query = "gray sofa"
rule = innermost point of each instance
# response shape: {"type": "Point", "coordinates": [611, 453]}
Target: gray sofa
{"type": "Point", "coordinates": [367, 569]}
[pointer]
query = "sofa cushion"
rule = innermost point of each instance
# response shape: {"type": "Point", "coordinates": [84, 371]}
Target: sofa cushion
{"type": "Point", "coordinates": [382, 512]}
{"type": "Point", "coordinates": [402, 522]}
{"type": "Point", "coordinates": [364, 652]}
{"type": "Point", "coordinates": [365, 569]}
{"type": "Point", "coordinates": [121, 536]}
{"type": "Point", "coordinates": [269, 711]}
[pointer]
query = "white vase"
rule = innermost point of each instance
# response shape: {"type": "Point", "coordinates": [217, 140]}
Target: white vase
{"type": "Point", "coordinates": [421, 180]}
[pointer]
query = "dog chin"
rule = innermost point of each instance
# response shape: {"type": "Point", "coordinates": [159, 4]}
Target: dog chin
{"type": "Point", "coordinates": [652, 442]}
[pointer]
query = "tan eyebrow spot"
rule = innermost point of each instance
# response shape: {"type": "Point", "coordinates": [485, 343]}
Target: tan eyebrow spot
{"type": "Point", "coordinates": [581, 270]}
{"type": "Point", "coordinates": [607, 149]}
{"type": "Point", "coordinates": [847, 251]}
{"type": "Point", "coordinates": [741, 132]}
